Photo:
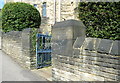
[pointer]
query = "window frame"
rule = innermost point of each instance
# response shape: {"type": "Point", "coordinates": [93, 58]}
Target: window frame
{"type": "Point", "coordinates": [44, 9]}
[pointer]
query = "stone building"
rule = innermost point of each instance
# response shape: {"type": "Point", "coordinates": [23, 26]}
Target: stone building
{"type": "Point", "coordinates": [52, 11]}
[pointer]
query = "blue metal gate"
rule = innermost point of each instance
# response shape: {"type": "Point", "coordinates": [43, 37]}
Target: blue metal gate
{"type": "Point", "coordinates": [43, 50]}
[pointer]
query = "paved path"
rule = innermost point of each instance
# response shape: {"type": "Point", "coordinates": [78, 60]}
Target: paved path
{"type": "Point", "coordinates": [11, 71]}
{"type": "Point", "coordinates": [0, 66]}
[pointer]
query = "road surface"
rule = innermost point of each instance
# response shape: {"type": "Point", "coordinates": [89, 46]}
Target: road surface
{"type": "Point", "coordinates": [11, 71]}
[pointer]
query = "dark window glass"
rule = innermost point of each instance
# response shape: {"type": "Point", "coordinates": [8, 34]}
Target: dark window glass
{"type": "Point", "coordinates": [35, 5]}
{"type": "Point", "coordinates": [44, 9]}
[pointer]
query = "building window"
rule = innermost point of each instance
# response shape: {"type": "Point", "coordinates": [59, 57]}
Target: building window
{"type": "Point", "coordinates": [44, 9]}
{"type": "Point", "coordinates": [35, 5]}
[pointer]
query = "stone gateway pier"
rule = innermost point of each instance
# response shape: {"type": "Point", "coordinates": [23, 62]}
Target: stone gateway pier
{"type": "Point", "coordinates": [79, 58]}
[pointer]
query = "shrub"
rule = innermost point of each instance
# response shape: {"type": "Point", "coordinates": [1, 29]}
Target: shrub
{"type": "Point", "coordinates": [33, 38]}
{"type": "Point", "coordinates": [101, 19]}
{"type": "Point", "coordinates": [0, 20]}
{"type": "Point", "coordinates": [17, 16]}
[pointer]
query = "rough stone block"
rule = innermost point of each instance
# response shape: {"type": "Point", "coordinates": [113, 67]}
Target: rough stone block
{"type": "Point", "coordinates": [87, 40]}
{"type": "Point", "coordinates": [62, 47]}
{"type": "Point", "coordinates": [108, 75]}
{"type": "Point", "coordinates": [118, 78]}
{"type": "Point", "coordinates": [93, 44]}
{"type": "Point", "coordinates": [79, 42]}
{"type": "Point", "coordinates": [107, 56]}
{"type": "Point", "coordinates": [112, 61]}
{"type": "Point", "coordinates": [67, 27]}
{"type": "Point", "coordinates": [75, 56]}
{"type": "Point", "coordinates": [115, 48]}
{"type": "Point", "coordinates": [104, 46]}
{"type": "Point", "coordinates": [76, 52]}
{"type": "Point", "coordinates": [97, 42]}
{"type": "Point", "coordinates": [90, 46]}
{"type": "Point", "coordinates": [108, 65]}
{"type": "Point", "coordinates": [64, 35]}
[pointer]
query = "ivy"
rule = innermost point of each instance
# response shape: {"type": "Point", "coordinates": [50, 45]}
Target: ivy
{"type": "Point", "coordinates": [102, 19]}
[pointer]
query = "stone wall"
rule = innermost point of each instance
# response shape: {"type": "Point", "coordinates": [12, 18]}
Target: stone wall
{"type": "Point", "coordinates": [77, 58]}
{"type": "Point", "coordinates": [17, 44]}
{"type": "Point", "coordinates": [0, 38]}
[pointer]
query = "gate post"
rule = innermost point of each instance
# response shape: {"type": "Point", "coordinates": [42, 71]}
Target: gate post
{"type": "Point", "coordinates": [26, 47]}
{"type": "Point", "coordinates": [64, 35]}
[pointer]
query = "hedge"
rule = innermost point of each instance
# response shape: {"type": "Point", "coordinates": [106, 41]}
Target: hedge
{"type": "Point", "coordinates": [0, 19]}
{"type": "Point", "coordinates": [102, 19]}
{"type": "Point", "coordinates": [18, 16]}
